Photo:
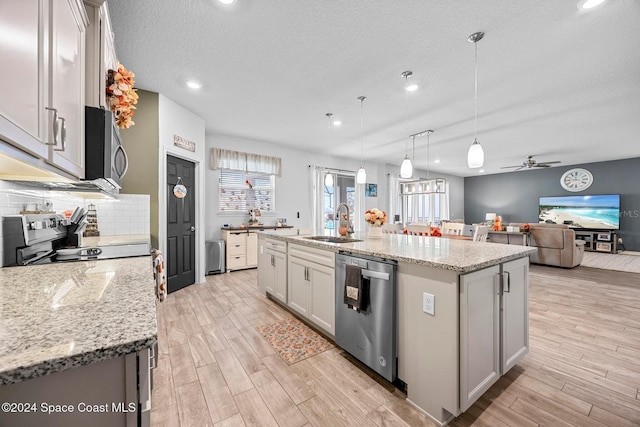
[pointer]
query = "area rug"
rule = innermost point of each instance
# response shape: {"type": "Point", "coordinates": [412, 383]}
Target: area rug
{"type": "Point", "coordinates": [293, 340]}
{"type": "Point", "coordinates": [618, 262]}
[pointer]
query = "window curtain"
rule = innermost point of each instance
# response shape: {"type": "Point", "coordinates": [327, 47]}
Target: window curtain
{"type": "Point", "coordinates": [248, 162]}
{"type": "Point", "coordinates": [394, 205]}
{"type": "Point", "coordinates": [358, 215]}
{"type": "Point", "coordinates": [316, 187]}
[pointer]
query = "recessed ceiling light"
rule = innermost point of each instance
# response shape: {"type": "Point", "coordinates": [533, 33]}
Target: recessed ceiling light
{"type": "Point", "coordinates": [226, 1]}
{"type": "Point", "coordinates": [336, 123]}
{"type": "Point", "coordinates": [481, 171]}
{"type": "Point", "coordinates": [589, 4]}
{"type": "Point", "coordinates": [193, 84]}
{"type": "Point", "coordinates": [436, 161]}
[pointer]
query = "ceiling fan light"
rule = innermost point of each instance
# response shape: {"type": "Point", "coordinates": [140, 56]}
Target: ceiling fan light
{"type": "Point", "coordinates": [406, 168]}
{"type": "Point", "coordinates": [361, 176]}
{"type": "Point", "coordinates": [475, 156]}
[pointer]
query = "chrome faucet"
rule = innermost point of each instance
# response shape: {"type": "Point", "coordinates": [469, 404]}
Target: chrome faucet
{"type": "Point", "coordinates": [347, 221]}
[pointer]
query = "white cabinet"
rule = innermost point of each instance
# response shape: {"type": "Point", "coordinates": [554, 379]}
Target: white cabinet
{"type": "Point", "coordinates": [252, 249]}
{"type": "Point", "coordinates": [21, 110]}
{"type": "Point", "coordinates": [494, 326]}
{"type": "Point", "coordinates": [242, 249]}
{"type": "Point", "coordinates": [272, 268]}
{"type": "Point", "coordinates": [42, 80]}
{"type": "Point", "coordinates": [101, 53]}
{"type": "Point", "coordinates": [311, 287]}
{"type": "Point", "coordinates": [67, 85]}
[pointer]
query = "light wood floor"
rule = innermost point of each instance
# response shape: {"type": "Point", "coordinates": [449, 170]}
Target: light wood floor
{"type": "Point", "coordinates": [214, 369]}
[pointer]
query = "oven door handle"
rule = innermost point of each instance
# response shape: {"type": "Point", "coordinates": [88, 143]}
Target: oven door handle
{"type": "Point", "coordinates": [370, 274]}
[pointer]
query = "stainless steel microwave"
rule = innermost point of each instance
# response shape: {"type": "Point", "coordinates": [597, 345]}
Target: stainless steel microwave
{"type": "Point", "coordinates": [105, 157]}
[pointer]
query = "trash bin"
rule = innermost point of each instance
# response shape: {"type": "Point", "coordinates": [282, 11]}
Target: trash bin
{"type": "Point", "coordinates": [215, 257]}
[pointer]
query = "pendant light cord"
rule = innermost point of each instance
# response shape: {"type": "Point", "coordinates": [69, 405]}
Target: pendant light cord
{"type": "Point", "coordinates": [475, 107]}
{"type": "Point", "coordinates": [428, 157]}
{"type": "Point", "coordinates": [362, 98]}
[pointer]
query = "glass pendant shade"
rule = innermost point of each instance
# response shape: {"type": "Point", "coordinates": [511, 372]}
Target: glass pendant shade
{"type": "Point", "coordinates": [361, 176]}
{"type": "Point", "coordinates": [328, 180]}
{"type": "Point", "coordinates": [475, 156]}
{"type": "Point", "coordinates": [406, 168]}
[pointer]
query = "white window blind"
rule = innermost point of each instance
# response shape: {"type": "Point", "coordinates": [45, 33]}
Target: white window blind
{"type": "Point", "coordinates": [241, 191]}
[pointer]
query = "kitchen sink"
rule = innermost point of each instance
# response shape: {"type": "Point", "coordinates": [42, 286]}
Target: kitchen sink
{"type": "Point", "coordinates": [333, 239]}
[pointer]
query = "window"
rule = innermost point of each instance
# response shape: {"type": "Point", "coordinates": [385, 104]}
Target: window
{"type": "Point", "coordinates": [240, 191]}
{"type": "Point", "coordinates": [342, 191]}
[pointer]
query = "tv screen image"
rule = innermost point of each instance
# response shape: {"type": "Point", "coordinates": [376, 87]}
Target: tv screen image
{"type": "Point", "coordinates": [595, 212]}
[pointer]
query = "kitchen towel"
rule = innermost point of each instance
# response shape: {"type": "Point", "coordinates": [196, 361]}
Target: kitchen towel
{"type": "Point", "coordinates": [353, 287]}
{"type": "Point", "coordinates": [159, 274]}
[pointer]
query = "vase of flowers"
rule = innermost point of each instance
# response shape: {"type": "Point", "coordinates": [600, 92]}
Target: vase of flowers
{"type": "Point", "coordinates": [376, 218]}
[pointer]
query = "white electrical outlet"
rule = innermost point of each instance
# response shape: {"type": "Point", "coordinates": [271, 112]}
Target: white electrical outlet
{"type": "Point", "coordinates": [428, 303]}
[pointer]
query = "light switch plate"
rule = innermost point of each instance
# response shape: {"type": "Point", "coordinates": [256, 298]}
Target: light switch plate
{"type": "Point", "coordinates": [428, 303]}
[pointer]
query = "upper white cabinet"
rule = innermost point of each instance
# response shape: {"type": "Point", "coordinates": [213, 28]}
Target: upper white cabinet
{"type": "Point", "coordinates": [68, 22]}
{"type": "Point", "coordinates": [22, 111]}
{"type": "Point", "coordinates": [42, 80]}
{"type": "Point", "coordinates": [101, 53]}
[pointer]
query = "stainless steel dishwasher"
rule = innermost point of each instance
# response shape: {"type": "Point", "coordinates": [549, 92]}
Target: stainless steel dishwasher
{"type": "Point", "coordinates": [369, 335]}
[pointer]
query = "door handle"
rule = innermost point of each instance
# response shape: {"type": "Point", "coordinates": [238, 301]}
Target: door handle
{"type": "Point", "coordinates": [498, 278]}
{"type": "Point", "coordinates": [273, 262]}
{"type": "Point", "coordinates": [193, 228]}
{"type": "Point", "coordinates": [55, 126]}
{"type": "Point", "coordinates": [120, 149]}
{"type": "Point", "coordinates": [375, 274]}
{"type": "Point", "coordinates": [63, 135]}
{"type": "Point", "coordinates": [508, 281]}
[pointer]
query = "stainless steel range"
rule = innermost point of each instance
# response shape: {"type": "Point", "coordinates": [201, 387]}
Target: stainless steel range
{"type": "Point", "coordinates": [45, 238]}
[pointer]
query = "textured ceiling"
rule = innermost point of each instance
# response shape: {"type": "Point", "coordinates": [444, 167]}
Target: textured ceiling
{"type": "Point", "coordinates": [553, 81]}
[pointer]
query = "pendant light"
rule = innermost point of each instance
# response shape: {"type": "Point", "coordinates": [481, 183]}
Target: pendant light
{"type": "Point", "coordinates": [328, 177]}
{"type": "Point", "coordinates": [406, 168]}
{"type": "Point", "coordinates": [475, 156]}
{"type": "Point", "coordinates": [361, 176]}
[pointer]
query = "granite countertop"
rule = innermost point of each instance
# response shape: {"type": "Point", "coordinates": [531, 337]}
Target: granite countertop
{"type": "Point", "coordinates": [462, 256]}
{"type": "Point", "coordinates": [119, 239]}
{"type": "Point", "coordinates": [63, 315]}
{"type": "Point", "coordinates": [256, 227]}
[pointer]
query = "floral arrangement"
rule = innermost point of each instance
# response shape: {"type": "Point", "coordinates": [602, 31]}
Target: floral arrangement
{"type": "Point", "coordinates": [122, 96]}
{"type": "Point", "coordinates": [375, 217]}
{"type": "Point", "coordinates": [254, 214]}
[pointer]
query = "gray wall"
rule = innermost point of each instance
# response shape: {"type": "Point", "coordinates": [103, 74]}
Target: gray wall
{"type": "Point", "coordinates": [515, 195]}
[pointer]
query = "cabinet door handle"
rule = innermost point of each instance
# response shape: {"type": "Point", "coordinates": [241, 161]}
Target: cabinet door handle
{"type": "Point", "coordinates": [273, 262]}
{"type": "Point", "coordinates": [498, 278]}
{"type": "Point", "coordinates": [63, 135]}
{"type": "Point", "coordinates": [508, 281]}
{"type": "Point", "coordinates": [55, 126]}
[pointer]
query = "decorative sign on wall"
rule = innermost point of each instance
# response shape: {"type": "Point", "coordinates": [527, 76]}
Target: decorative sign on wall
{"type": "Point", "coordinates": [371, 190]}
{"type": "Point", "coordinates": [181, 142]}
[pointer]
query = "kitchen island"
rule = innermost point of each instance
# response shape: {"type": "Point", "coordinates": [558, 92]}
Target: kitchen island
{"type": "Point", "coordinates": [77, 333]}
{"type": "Point", "coordinates": [474, 330]}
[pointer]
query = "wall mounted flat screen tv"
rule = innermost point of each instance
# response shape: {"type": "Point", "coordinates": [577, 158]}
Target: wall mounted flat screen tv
{"type": "Point", "coordinates": [595, 212]}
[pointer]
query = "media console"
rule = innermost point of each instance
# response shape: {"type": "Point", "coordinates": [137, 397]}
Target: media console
{"type": "Point", "coordinates": [599, 241]}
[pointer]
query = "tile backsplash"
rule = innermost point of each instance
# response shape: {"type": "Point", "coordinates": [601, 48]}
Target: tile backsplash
{"type": "Point", "coordinates": [127, 215]}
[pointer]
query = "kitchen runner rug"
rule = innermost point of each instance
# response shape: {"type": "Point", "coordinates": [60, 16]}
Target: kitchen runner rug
{"type": "Point", "coordinates": [293, 340]}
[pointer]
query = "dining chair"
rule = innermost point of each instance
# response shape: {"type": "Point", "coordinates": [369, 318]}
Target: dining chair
{"type": "Point", "coordinates": [392, 228]}
{"type": "Point", "coordinates": [418, 229]}
{"type": "Point", "coordinates": [454, 228]}
{"type": "Point", "coordinates": [480, 233]}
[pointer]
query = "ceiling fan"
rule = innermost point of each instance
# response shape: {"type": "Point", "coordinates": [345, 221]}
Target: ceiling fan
{"type": "Point", "coordinates": [530, 163]}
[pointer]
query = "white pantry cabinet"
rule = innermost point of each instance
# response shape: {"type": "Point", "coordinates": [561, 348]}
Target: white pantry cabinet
{"type": "Point", "coordinates": [42, 80]}
{"type": "Point", "coordinates": [311, 285]}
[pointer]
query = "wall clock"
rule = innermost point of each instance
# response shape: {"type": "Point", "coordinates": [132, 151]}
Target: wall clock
{"type": "Point", "coordinates": [577, 179]}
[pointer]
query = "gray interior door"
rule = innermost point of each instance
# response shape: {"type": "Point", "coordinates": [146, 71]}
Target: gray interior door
{"type": "Point", "coordinates": [181, 223]}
